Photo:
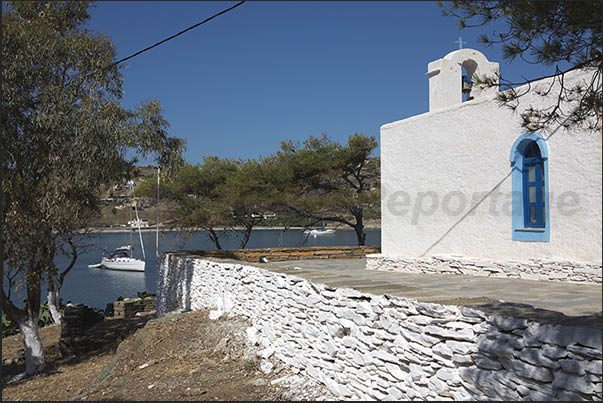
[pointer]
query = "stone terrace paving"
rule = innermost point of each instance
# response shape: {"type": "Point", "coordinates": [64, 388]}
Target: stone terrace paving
{"type": "Point", "coordinates": [520, 298]}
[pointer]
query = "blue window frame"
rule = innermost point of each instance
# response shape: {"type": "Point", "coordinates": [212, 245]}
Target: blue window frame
{"type": "Point", "coordinates": [529, 174]}
{"type": "Point", "coordinates": [534, 211]}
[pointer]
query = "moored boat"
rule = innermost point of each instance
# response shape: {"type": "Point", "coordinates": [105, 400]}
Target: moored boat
{"type": "Point", "coordinates": [120, 259]}
{"type": "Point", "coordinates": [319, 231]}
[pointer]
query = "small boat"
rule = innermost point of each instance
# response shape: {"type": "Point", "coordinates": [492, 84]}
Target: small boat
{"type": "Point", "coordinates": [319, 231]}
{"type": "Point", "coordinates": [120, 259]}
{"type": "Point", "coordinates": [138, 223]}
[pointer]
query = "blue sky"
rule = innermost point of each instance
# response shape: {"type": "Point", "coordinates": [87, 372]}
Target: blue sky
{"type": "Point", "coordinates": [271, 71]}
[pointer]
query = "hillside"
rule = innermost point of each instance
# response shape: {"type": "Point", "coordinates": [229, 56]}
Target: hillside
{"type": "Point", "coordinates": [116, 208]}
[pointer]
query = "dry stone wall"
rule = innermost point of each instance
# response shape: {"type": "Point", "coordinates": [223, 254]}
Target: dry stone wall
{"type": "Point", "coordinates": [535, 269]}
{"type": "Point", "coordinates": [129, 307]}
{"type": "Point", "coordinates": [280, 254]}
{"type": "Point", "coordinates": [363, 346]}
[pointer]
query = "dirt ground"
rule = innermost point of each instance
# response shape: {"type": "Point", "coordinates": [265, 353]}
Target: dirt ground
{"type": "Point", "coordinates": [177, 357]}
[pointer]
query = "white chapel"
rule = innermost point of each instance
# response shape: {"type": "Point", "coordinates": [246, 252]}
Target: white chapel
{"type": "Point", "coordinates": [467, 190]}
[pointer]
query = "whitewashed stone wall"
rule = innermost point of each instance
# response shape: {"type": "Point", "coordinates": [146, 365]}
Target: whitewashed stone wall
{"type": "Point", "coordinates": [363, 346]}
{"type": "Point", "coordinates": [534, 269]}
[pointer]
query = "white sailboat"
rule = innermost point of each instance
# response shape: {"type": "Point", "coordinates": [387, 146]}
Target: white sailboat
{"type": "Point", "coordinates": [319, 231]}
{"type": "Point", "coordinates": [121, 258]}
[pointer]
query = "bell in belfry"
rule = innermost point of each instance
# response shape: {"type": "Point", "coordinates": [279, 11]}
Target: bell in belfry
{"type": "Point", "coordinates": [466, 85]}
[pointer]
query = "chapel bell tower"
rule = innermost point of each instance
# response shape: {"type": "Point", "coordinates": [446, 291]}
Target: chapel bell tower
{"type": "Point", "coordinates": [448, 82]}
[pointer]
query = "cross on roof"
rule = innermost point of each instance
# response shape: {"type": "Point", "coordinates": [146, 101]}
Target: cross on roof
{"type": "Point", "coordinates": [460, 42]}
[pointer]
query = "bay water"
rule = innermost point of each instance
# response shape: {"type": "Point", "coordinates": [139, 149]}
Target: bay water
{"type": "Point", "coordinates": [96, 287]}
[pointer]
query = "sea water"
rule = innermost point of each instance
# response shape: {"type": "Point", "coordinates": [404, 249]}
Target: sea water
{"type": "Point", "coordinates": [96, 287]}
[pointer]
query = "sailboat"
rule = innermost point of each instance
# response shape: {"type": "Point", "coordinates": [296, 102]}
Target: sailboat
{"type": "Point", "coordinates": [121, 258]}
{"type": "Point", "coordinates": [319, 231]}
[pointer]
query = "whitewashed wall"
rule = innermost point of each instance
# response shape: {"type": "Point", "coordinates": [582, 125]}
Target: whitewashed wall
{"type": "Point", "coordinates": [370, 347]}
{"type": "Point", "coordinates": [534, 269]}
{"type": "Point", "coordinates": [465, 148]}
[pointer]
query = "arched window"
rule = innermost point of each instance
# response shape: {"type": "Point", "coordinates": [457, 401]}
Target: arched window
{"type": "Point", "coordinates": [533, 187]}
{"type": "Point", "coordinates": [529, 164]}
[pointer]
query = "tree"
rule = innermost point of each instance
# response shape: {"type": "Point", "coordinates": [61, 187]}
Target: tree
{"type": "Point", "coordinates": [65, 134]}
{"type": "Point", "coordinates": [219, 192]}
{"type": "Point", "coordinates": [563, 34]}
{"type": "Point", "coordinates": [325, 181]}
{"type": "Point", "coordinates": [246, 195]}
{"type": "Point", "coordinates": [195, 188]}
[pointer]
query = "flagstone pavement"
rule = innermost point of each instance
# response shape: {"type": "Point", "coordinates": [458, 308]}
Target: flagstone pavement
{"type": "Point", "coordinates": [555, 302]}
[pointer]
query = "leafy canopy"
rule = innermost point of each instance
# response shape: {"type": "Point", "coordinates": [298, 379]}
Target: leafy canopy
{"type": "Point", "coordinates": [65, 132]}
{"type": "Point", "coordinates": [563, 34]}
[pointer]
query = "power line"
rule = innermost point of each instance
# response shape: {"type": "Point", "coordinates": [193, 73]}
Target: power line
{"type": "Point", "coordinates": [175, 35]}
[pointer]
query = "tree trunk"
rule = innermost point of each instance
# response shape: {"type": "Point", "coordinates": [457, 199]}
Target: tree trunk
{"type": "Point", "coordinates": [55, 288]}
{"type": "Point", "coordinates": [359, 228]}
{"type": "Point", "coordinates": [53, 303]}
{"type": "Point", "coordinates": [214, 237]}
{"type": "Point", "coordinates": [34, 351]}
{"type": "Point", "coordinates": [360, 235]}
{"type": "Point", "coordinates": [246, 236]}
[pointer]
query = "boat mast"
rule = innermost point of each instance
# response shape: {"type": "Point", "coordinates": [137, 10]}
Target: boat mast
{"type": "Point", "coordinates": [139, 231]}
{"type": "Point", "coordinates": [157, 227]}
{"type": "Point", "coordinates": [130, 222]}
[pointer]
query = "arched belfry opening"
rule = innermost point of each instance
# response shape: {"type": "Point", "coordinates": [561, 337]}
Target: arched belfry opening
{"type": "Point", "coordinates": [452, 79]}
{"type": "Point", "coordinates": [467, 79]}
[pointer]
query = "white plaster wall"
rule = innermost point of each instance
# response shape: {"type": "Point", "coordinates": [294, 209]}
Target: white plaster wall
{"type": "Point", "coordinates": [445, 77]}
{"type": "Point", "coordinates": [466, 148]}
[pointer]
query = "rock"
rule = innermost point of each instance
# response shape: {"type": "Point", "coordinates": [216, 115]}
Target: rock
{"type": "Point", "coordinates": [535, 357]}
{"type": "Point", "coordinates": [437, 385]}
{"type": "Point", "coordinates": [442, 350]}
{"type": "Point", "coordinates": [498, 349]}
{"type": "Point", "coordinates": [213, 315]}
{"type": "Point", "coordinates": [266, 353]}
{"type": "Point", "coordinates": [595, 367]}
{"type": "Point", "coordinates": [585, 351]}
{"type": "Point", "coordinates": [574, 366]}
{"type": "Point", "coordinates": [195, 392]}
{"type": "Point", "coordinates": [252, 335]}
{"type": "Point", "coordinates": [484, 362]}
{"type": "Point", "coordinates": [532, 372]}
{"type": "Point", "coordinates": [449, 375]}
{"type": "Point", "coordinates": [553, 352]}
{"type": "Point", "coordinates": [266, 366]}
{"type": "Point", "coordinates": [573, 383]}
{"type": "Point", "coordinates": [566, 336]}
{"type": "Point", "coordinates": [540, 396]}
{"type": "Point", "coordinates": [459, 347]}
{"type": "Point", "coordinates": [395, 371]}
{"type": "Point", "coordinates": [487, 382]}
{"type": "Point", "coordinates": [433, 310]}
{"type": "Point", "coordinates": [259, 382]}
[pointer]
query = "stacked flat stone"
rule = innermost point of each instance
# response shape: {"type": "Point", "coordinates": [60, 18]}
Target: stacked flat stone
{"type": "Point", "coordinates": [77, 319]}
{"type": "Point", "coordinates": [534, 269]}
{"type": "Point", "coordinates": [283, 254]}
{"type": "Point", "coordinates": [129, 307]}
{"type": "Point", "coordinates": [363, 346]}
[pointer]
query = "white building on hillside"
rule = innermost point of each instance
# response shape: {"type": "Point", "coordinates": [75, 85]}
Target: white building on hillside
{"type": "Point", "coordinates": [465, 189]}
